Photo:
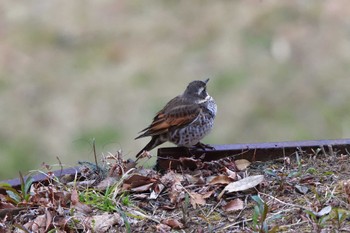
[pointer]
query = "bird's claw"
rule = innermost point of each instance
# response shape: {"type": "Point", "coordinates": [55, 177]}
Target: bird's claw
{"type": "Point", "coordinates": [204, 146]}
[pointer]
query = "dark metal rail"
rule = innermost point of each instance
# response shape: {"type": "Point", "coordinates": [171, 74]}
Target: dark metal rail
{"type": "Point", "coordinates": [169, 157]}
{"type": "Point", "coordinates": [16, 183]}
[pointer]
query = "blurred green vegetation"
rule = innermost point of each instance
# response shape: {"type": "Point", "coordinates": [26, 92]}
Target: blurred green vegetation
{"type": "Point", "coordinates": [72, 71]}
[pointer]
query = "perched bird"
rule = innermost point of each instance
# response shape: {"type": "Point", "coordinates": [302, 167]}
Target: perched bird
{"type": "Point", "coordinates": [184, 120]}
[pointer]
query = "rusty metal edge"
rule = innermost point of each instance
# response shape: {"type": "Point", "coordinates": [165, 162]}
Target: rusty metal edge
{"type": "Point", "coordinates": [168, 157]}
{"type": "Point", "coordinates": [40, 177]}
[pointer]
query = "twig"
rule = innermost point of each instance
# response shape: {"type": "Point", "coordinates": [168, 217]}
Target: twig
{"type": "Point", "coordinates": [285, 203]}
{"type": "Point", "coordinates": [95, 155]}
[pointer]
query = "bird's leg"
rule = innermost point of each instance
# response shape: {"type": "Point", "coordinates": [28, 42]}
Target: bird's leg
{"type": "Point", "coordinates": [204, 146]}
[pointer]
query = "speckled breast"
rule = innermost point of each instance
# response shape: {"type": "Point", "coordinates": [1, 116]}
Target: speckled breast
{"type": "Point", "coordinates": [196, 130]}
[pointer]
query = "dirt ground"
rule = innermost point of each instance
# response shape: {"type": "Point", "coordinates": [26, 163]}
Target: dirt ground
{"type": "Point", "coordinates": [299, 193]}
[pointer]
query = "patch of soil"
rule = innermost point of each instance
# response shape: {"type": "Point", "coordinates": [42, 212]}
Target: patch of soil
{"type": "Point", "coordinates": [299, 193]}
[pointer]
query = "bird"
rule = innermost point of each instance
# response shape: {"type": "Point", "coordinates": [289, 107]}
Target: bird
{"type": "Point", "coordinates": [185, 119]}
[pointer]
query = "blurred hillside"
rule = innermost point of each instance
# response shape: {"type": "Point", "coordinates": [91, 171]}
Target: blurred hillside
{"type": "Point", "coordinates": [71, 71]}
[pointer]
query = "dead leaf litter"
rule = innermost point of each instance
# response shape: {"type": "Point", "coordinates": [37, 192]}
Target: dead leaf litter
{"type": "Point", "coordinates": [301, 193]}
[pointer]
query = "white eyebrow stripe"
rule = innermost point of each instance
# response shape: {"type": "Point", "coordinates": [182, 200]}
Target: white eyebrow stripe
{"type": "Point", "coordinates": [206, 99]}
{"type": "Point", "coordinates": [200, 90]}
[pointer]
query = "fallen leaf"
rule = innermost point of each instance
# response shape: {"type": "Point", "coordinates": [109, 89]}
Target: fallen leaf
{"type": "Point", "coordinates": [242, 164]}
{"type": "Point", "coordinates": [326, 210]}
{"type": "Point", "coordinates": [83, 208]}
{"type": "Point", "coordinates": [190, 163]}
{"type": "Point", "coordinates": [176, 193]}
{"type": "Point", "coordinates": [80, 207]}
{"type": "Point", "coordinates": [74, 197]}
{"type": "Point", "coordinates": [102, 223]}
{"type": "Point", "coordinates": [158, 188]}
{"type": "Point", "coordinates": [106, 183]}
{"type": "Point", "coordinates": [171, 178]}
{"type": "Point", "coordinates": [196, 199]}
{"type": "Point", "coordinates": [243, 184]}
{"type": "Point", "coordinates": [137, 180]}
{"type": "Point", "coordinates": [39, 223]}
{"type": "Point", "coordinates": [231, 174]}
{"type": "Point", "coordinates": [346, 188]}
{"type": "Point", "coordinates": [168, 207]}
{"type": "Point", "coordinates": [163, 228]}
{"type": "Point", "coordinates": [222, 179]}
{"type": "Point", "coordinates": [142, 188]}
{"type": "Point", "coordinates": [5, 205]}
{"type": "Point", "coordinates": [191, 179]}
{"type": "Point", "coordinates": [208, 194]}
{"type": "Point", "coordinates": [301, 189]}
{"type": "Point", "coordinates": [173, 223]}
{"type": "Point", "coordinates": [48, 217]}
{"type": "Point", "coordinates": [236, 204]}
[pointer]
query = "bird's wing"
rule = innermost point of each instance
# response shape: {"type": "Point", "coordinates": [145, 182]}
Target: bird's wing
{"type": "Point", "coordinates": [172, 115]}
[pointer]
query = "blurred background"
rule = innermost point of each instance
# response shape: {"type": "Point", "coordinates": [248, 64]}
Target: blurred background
{"type": "Point", "coordinates": [71, 71]}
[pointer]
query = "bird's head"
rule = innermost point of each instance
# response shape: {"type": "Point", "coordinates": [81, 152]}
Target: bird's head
{"type": "Point", "coordinates": [197, 89]}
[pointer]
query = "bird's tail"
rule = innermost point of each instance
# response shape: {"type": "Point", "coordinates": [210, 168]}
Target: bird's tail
{"type": "Point", "coordinates": [155, 141]}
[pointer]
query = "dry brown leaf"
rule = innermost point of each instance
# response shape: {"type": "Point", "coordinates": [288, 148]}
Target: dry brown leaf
{"type": "Point", "coordinates": [137, 180]}
{"type": "Point", "coordinates": [346, 188]}
{"type": "Point", "coordinates": [242, 164]}
{"type": "Point", "coordinates": [126, 187]}
{"type": "Point", "coordinates": [102, 223]}
{"type": "Point", "coordinates": [243, 184]}
{"type": "Point", "coordinates": [39, 223]}
{"type": "Point", "coordinates": [236, 204]}
{"type": "Point", "coordinates": [208, 194]}
{"type": "Point", "coordinates": [176, 193]}
{"type": "Point", "coordinates": [196, 199]}
{"type": "Point", "coordinates": [163, 228]}
{"type": "Point", "coordinates": [5, 205]}
{"type": "Point", "coordinates": [74, 197]}
{"type": "Point", "coordinates": [173, 223]}
{"type": "Point", "coordinates": [83, 208]}
{"type": "Point", "coordinates": [222, 179]}
{"type": "Point", "coordinates": [231, 174]}
{"type": "Point", "coordinates": [48, 216]}
{"type": "Point", "coordinates": [142, 188]}
{"type": "Point", "coordinates": [190, 163]}
{"type": "Point", "coordinates": [158, 188]}
{"type": "Point", "coordinates": [80, 207]}
{"type": "Point", "coordinates": [191, 179]}
{"type": "Point", "coordinates": [106, 183]}
{"type": "Point", "coordinates": [60, 222]}
{"type": "Point", "coordinates": [171, 178]}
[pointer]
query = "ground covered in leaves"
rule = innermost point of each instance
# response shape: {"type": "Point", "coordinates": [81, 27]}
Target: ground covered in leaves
{"type": "Point", "coordinates": [299, 193]}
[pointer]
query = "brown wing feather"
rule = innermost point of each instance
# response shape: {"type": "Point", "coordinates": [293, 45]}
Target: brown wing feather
{"type": "Point", "coordinates": [176, 113]}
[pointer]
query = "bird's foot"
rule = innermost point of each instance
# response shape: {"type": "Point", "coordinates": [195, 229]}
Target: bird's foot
{"type": "Point", "coordinates": [204, 146]}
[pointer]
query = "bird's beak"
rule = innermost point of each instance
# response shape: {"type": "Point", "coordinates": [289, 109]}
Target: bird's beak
{"type": "Point", "coordinates": [206, 81]}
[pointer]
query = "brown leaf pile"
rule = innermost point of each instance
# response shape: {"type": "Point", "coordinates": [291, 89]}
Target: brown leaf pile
{"type": "Point", "coordinates": [300, 193]}
{"type": "Point", "coordinates": [58, 206]}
